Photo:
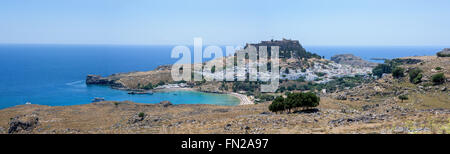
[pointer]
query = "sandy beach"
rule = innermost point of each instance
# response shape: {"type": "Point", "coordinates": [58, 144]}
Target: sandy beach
{"type": "Point", "coordinates": [243, 100]}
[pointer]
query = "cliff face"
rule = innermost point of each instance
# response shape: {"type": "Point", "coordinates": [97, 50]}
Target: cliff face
{"type": "Point", "coordinates": [97, 79]}
{"type": "Point", "coordinates": [350, 59]}
{"type": "Point", "coordinates": [107, 81]}
{"type": "Point", "coordinates": [288, 48]}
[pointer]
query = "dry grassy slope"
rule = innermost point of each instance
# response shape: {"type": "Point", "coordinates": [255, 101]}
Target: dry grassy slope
{"type": "Point", "coordinates": [425, 92]}
{"type": "Point", "coordinates": [429, 63]}
{"type": "Point", "coordinates": [113, 117]}
{"type": "Point", "coordinates": [132, 80]}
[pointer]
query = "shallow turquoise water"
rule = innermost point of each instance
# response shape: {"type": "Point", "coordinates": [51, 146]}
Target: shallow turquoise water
{"type": "Point", "coordinates": [176, 97]}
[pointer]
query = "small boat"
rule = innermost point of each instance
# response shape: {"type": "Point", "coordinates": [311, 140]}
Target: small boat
{"type": "Point", "coordinates": [28, 103]}
{"type": "Point", "coordinates": [98, 99]}
{"type": "Point", "coordinates": [140, 92]}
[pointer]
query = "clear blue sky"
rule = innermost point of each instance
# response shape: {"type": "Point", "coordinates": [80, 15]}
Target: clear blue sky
{"type": "Point", "coordinates": [228, 22]}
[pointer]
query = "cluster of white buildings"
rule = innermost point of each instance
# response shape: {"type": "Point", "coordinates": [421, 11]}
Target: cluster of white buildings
{"type": "Point", "coordinates": [328, 70]}
{"type": "Point", "coordinates": [320, 72]}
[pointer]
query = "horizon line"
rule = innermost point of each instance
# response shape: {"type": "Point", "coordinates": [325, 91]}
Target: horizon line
{"type": "Point", "coordinates": [182, 44]}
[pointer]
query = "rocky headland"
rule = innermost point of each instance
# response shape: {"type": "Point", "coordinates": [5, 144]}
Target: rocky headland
{"type": "Point", "coordinates": [350, 59]}
{"type": "Point", "coordinates": [444, 53]}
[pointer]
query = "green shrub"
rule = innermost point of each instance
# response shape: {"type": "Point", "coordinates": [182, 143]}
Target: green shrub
{"type": "Point", "coordinates": [265, 97]}
{"type": "Point", "coordinates": [148, 86]}
{"type": "Point", "coordinates": [403, 97]}
{"type": "Point", "coordinates": [160, 83]}
{"type": "Point", "coordinates": [398, 72]}
{"type": "Point", "coordinates": [415, 76]}
{"type": "Point", "coordinates": [438, 68]}
{"type": "Point", "coordinates": [141, 114]}
{"type": "Point", "coordinates": [301, 79]}
{"type": "Point", "coordinates": [438, 78]}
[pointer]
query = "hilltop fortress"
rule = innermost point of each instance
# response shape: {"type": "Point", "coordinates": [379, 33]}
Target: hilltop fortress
{"type": "Point", "coordinates": [288, 48]}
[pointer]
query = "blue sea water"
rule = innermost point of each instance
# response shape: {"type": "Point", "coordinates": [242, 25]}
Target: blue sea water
{"type": "Point", "coordinates": [55, 74]}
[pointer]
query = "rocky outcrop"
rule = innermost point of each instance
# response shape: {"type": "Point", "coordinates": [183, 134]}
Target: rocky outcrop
{"type": "Point", "coordinates": [22, 124]}
{"type": "Point", "coordinates": [444, 53]}
{"type": "Point", "coordinates": [350, 59]}
{"type": "Point", "coordinates": [165, 103]}
{"type": "Point", "coordinates": [138, 117]}
{"type": "Point", "coordinates": [288, 48]}
{"type": "Point", "coordinates": [98, 80]}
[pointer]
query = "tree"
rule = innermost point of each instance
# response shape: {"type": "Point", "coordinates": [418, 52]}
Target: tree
{"type": "Point", "coordinates": [213, 69]}
{"type": "Point", "coordinates": [294, 100]}
{"type": "Point", "coordinates": [277, 104]}
{"type": "Point", "coordinates": [310, 100]}
{"type": "Point", "coordinates": [148, 86]}
{"type": "Point", "coordinates": [438, 78]}
{"type": "Point", "coordinates": [380, 69]}
{"type": "Point", "coordinates": [403, 97]}
{"type": "Point", "coordinates": [286, 71]}
{"type": "Point", "coordinates": [415, 76]}
{"type": "Point", "coordinates": [398, 72]}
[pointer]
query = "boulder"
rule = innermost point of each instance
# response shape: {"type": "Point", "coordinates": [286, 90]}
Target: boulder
{"type": "Point", "coordinates": [165, 103]}
{"type": "Point", "coordinates": [18, 124]}
{"type": "Point", "coordinates": [136, 118]}
{"type": "Point", "coordinates": [341, 97]}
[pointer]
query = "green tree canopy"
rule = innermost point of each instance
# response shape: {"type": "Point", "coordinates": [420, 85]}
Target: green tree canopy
{"type": "Point", "coordinates": [295, 100]}
{"type": "Point", "coordinates": [398, 72]}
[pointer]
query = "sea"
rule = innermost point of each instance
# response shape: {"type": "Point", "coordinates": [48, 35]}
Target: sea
{"type": "Point", "coordinates": [55, 74]}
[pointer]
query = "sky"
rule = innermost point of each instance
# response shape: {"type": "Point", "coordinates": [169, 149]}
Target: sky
{"type": "Point", "coordinates": [225, 22]}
